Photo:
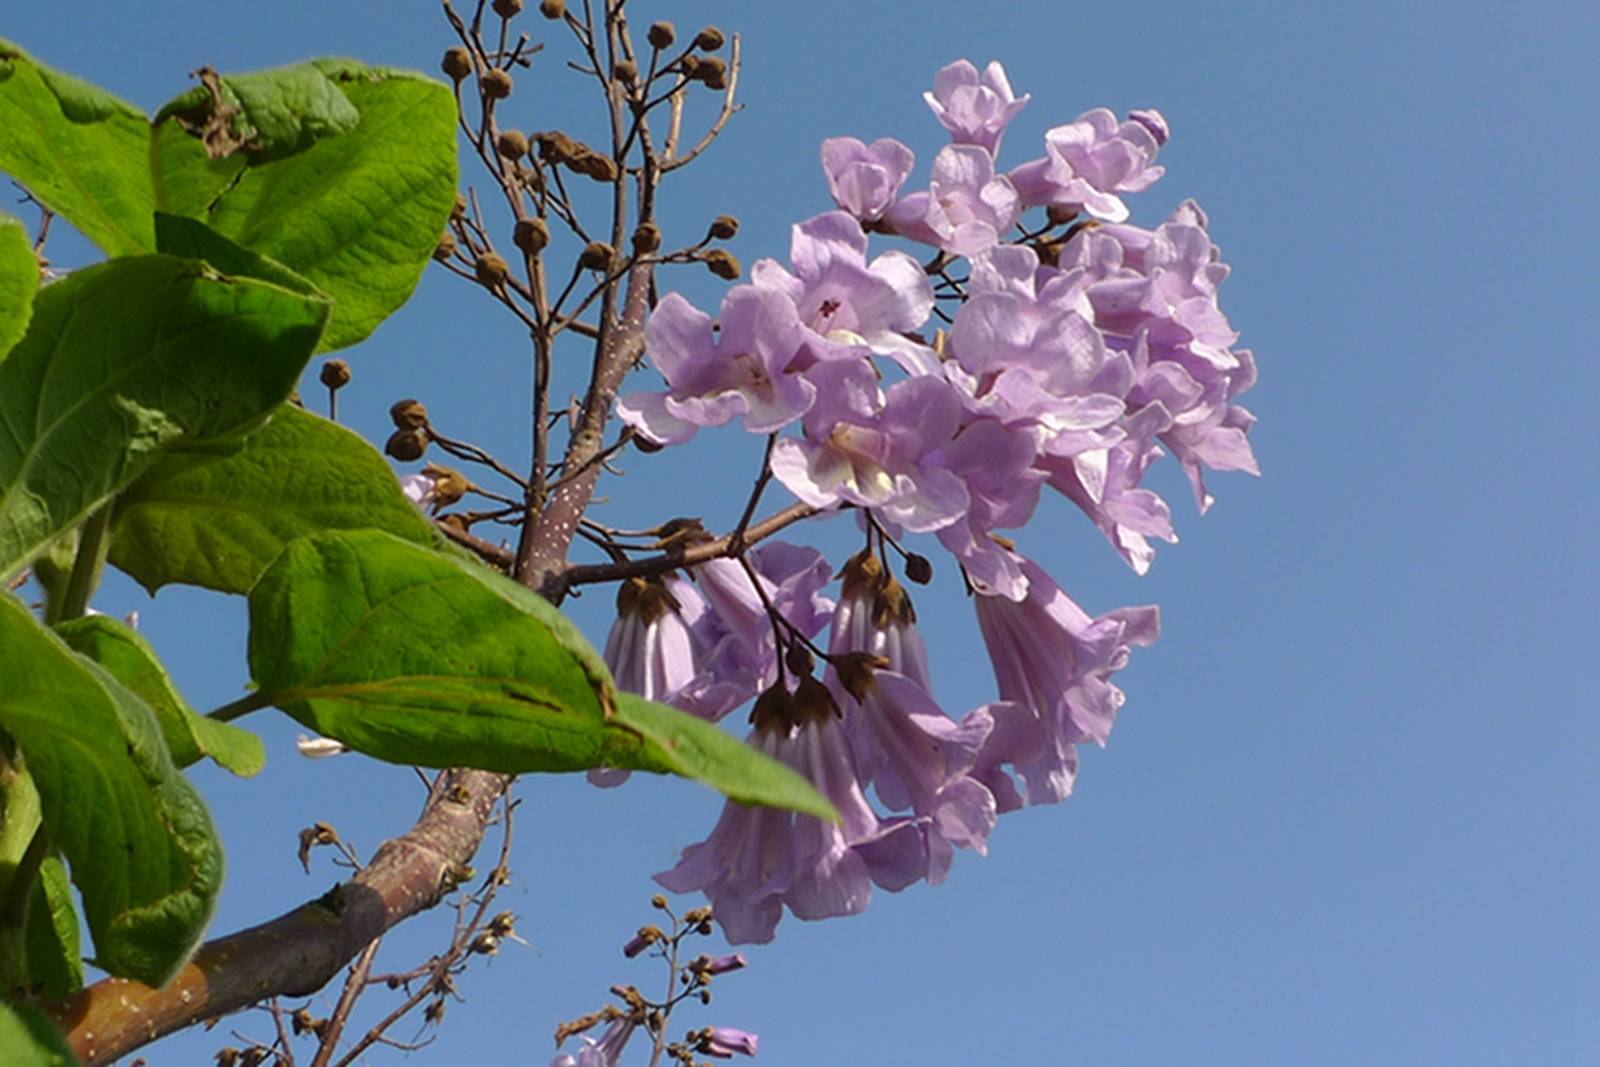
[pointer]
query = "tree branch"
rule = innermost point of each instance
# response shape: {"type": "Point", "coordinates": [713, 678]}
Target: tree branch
{"type": "Point", "coordinates": [300, 952]}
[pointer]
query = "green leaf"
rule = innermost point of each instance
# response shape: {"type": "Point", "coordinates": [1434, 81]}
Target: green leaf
{"type": "Point", "coordinates": [55, 963]}
{"type": "Point", "coordinates": [129, 658]}
{"type": "Point", "coordinates": [19, 280]}
{"type": "Point", "coordinates": [79, 150]}
{"type": "Point", "coordinates": [218, 520]}
{"type": "Point", "coordinates": [143, 852]}
{"type": "Point", "coordinates": [707, 753]}
{"type": "Point", "coordinates": [357, 208]}
{"type": "Point", "coordinates": [121, 361]}
{"type": "Point", "coordinates": [416, 657]}
{"type": "Point", "coordinates": [193, 239]}
{"type": "Point", "coordinates": [28, 1039]}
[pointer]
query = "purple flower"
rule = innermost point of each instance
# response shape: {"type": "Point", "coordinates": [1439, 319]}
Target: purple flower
{"type": "Point", "coordinates": [845, 304]}
{"type": "Point", "coordinates": [744, 651]}
{"type": "Point", "coordinates": [713, 378]}
{"type": "Point", "coordinates": [874, 449]}
{"type": "Point", "coordinates": [756, 861]}
{"type": "Point", "coordinates": [1105, 485]}
{"type": "Point", "coordinates": [864, 179]}
{"type": "Point", "coordinates": [1091, 160]}
{"type": "Point", "coordinates": [606, 1052]}
{"type": "Point", "coordinates": [966, 207]}
{"type": "Point", "coordinates": [906, 747]}
{"type": "Point", "coordinates": [1053, 661]}
{"type": "Point", "coordinates": [723, 1041]}
{"type": "Point", "coordinates": [1154, 121]}
{"type": "Point", "coordinates": [976, 110]}
{"type": "Point", "coordinates": [995, 463]}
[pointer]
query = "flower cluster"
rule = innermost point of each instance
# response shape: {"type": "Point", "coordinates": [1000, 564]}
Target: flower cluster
{"type": "Point", "coordinates": [1076, 353]}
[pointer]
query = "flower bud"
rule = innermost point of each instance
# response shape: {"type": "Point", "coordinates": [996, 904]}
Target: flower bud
{"type": "Point", "coordinates": [597, 255]}
{"type": "Point", "coordinates": [661, 35]}
{"type": "Point", "coordinates": [446, 246]}
{"type": "Point", "coordinates": [594, 165]}
{"type": "Point", "coordinates": [512, 144]}
{"type": "Point", "coordinates": [507, 8]}
{"type": "Point", "coordinates": [457, 63]}
{"type": "Point", "coordinates": [406, 445]}
{"type": "Point", "coordinates": [553, 9]}
{"type": "Point", "coordinates": [491, 268]}
{"type": "Point", "coordinates": [647, 238]}
{"type": "Point", "coordinates": [460, 207]}
{"type": "Point", "coordinates": [721, 262]}
{"type": "Point", "coordinates": [335, 374]}
{"type": "Point", "coordinates": [710, 67]}
{"type": "Point", "coordinates": [918, 569]}
{"type": "Point", "coordinates": [531, 235]}
{"type": "Point", "coordinates": [709, 39]}
{"type": "Point", "coordinates": [717, 80]}
{"type": "Point", "coordinates": [687, 64]}
{"type": "Point", "coordinates": [647, 936]}
{"type": "Point", "coordinates": [658, 902]}
{"type": "Point", "coordinates": [1060, 214]}
{"type": "Point", "coordinates": [408, 414]}
{"type": "Point", "coordinates": [627, 71]}
{"type": "Point", "coordinates": [799, 659]}
{"type": "Point", "coordinates": [496, 84]}
{"type": "Point", "coordinates": [449, 485]}
{"type": "Point", "coordinates": [724, 227]}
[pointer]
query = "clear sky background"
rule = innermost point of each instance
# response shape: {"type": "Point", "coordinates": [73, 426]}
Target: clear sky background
{"type": "Point", "coordinates": [1349, 814]}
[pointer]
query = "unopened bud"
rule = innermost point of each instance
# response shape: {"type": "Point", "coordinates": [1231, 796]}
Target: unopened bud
{"type": "Point", "coordinates": [661, 35]}
{"type": "Point", "coordinates": [408, 414]}
{"type": "Point", "coordinates": [724, 964]}
{"type": "Point", "coordinates": [647, 936]}
{"type": "Point", "coordinates": [457, 63]}
{"type": "Point", "coordinates": [1060, 214]}
{"type": "Point", "coordinates": [723, 264]}
{"type": "Point", "coordinates": [594, 165]}
{"type": "Point", "coordinates": [491, 269]}
{"type": "Point", "coordinates": [512, 144]}
{"type": "Point", "coordinates": [449, 485]}
{"type": "Point", "coordinates": [724, 227]}
{"type": "Point", "coordinates": [446, 247]}
{"type": "Point", "coordinates": [710, 67]}
{"type": "Point", "coordinates": [597, 255]}
{"type": "Point", "coordinates": [496, 84]}
{"type": "Point", "coordinates": [627, 71]}
{"type": "Point", "coordinates": [688, 64]}
{"type": "Point", "coordinates": [709, 39]}
{"type": "Point", "coordinates": [553, 9]}
{"type": "Point", "coordinates": [918, 569]}
{"type": "Point", "coordinates": [658, 901]}
{"type": "Point", "coordinates": [459, 208]}
{"type": "Point", "coordinates": [531, 235]}
{"type": "Point", "coordinates": [717, 80]}
{"type": "Point", "coordinates": [406, 445]}
{"type": "Point", "coordinates": [507, 8]}
{"type": "Point", "coordinates": [335, 374]}
{"type": "Point", "coordinates": [799, 659]}
{"type": "Point", "coordinates": [647, 238]}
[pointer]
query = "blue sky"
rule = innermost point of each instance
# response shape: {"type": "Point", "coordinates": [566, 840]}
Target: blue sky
{"type": "Point", "coordinates": [1349, 812]}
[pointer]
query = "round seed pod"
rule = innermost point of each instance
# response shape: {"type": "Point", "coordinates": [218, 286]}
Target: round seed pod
{"type": "Point", "coordinates": [408, 414]}
{"type": "Point", "coordinates": [647, 238]}
{"type": "Point", "coordinates": [457, 63]}
{"type": "Point", "coordinates": [918, 569]}
{"type": "Point", "coordinates": [512, 144]}
{"type": "Point", "coordinates": [406, 445]}
{"type": "Point", "coordinates": [335, 374]}
{"type": "Point", "coordinates": [553, 9]}
{"type": "Point", "coordinates": [597, 255]}
{"type": "Point", "coordinates": [723, 264]}
{"type": "Point", "coordinates": [724, 227]}
{"type": "Point", "coordinates": [531, 235]}
{"type": "Point", "coordinates": [661, 35]}
{"type": "Point", "coordinates": [496, 84]}
{"type": "Point", "coordinates": [491, 269]}
{"type": "Point", "coordinates": [709, 39]}
{"type": "Point", "coordinates": [446, 246]}
{"type": "Point", "coordinates": [507, 8]}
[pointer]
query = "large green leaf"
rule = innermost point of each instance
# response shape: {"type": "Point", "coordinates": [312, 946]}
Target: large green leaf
{"type": "Point", "coordinates": [81, 151]}
{"type": "Point", "coordinates": [130, 659]}
{"type": "Point", "coordinates": [19, 278]}
{"type": "Point", "coordinates": [121, 361]}
{"type": "Point", "coordinates": [416, 657]}
{"type": "Point", "coordinates": [28, 1039]}
{"type": "Point", "coordinates": [55, 960]}
{"type": "Point", "coordinates": [193, 239]}
{"type": "Point", "coordinates": [349, 176]}
{"type": "Point", "coordinates": [217, 520]}
{"type": "Point", "coordinates": [143, 852]}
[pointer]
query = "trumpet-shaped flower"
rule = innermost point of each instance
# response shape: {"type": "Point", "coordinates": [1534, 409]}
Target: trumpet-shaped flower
{"type": "Point", "coordinates": [1089, 161]}
{"type": "Point", "coordinates": [864, 179]}
{"type": "Point", "coordinates": [966, 206]}
{"type": "Point", "coordinates": [975, 108]}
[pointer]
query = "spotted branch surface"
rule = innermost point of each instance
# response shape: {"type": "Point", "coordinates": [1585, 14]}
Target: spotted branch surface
{"type": "Point", "coordinates": [300, 952]}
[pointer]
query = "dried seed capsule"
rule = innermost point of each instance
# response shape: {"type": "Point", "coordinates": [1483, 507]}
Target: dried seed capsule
{"type": "Point", "coordinates": [709, 39]}
{"type": "Point", "coordinates": [335, 374]}
{"type": "Point", "coordinates": [710, 67]}
{"type": "Point", "coordinates": [661, 35]}
{"type": "Point", "coordinates": [627, 71]}
{"type": "Point", "coordinates": [724, 227]}
{"type": "Point", "coordinates": [507, 8]}
{"type": "Point", "coordinates": [513, 144]}
{"type": "Point", "coordinates": [496, 84]}
{"type": "Point", "coordinates": [408, 414]}
{"type": "Point", "coordinates": [553, 9]}
{"type": "Point", "coordinates": [594, 165]}
{"type": "Point", "coordinates": [717, 80]}
{"type": "Point", "coordinates": [721, 262]}
{"type": "Point", "coordinates": [457, 63]}
{"type": "Point", "coordinates": [597, 255]}
{"type": "Point", "coordinates": [491, 269]}
{"type": "Point", "coordinates": [556, 147]}
{"type": "Point", "coordinates": [446, 246]}
{"type": "Point", "coordinates": [531, 235]}
{"type": "Point", "coordinates": [647, 238]}
{"type": "Point", "coordinates": [406, 445]}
